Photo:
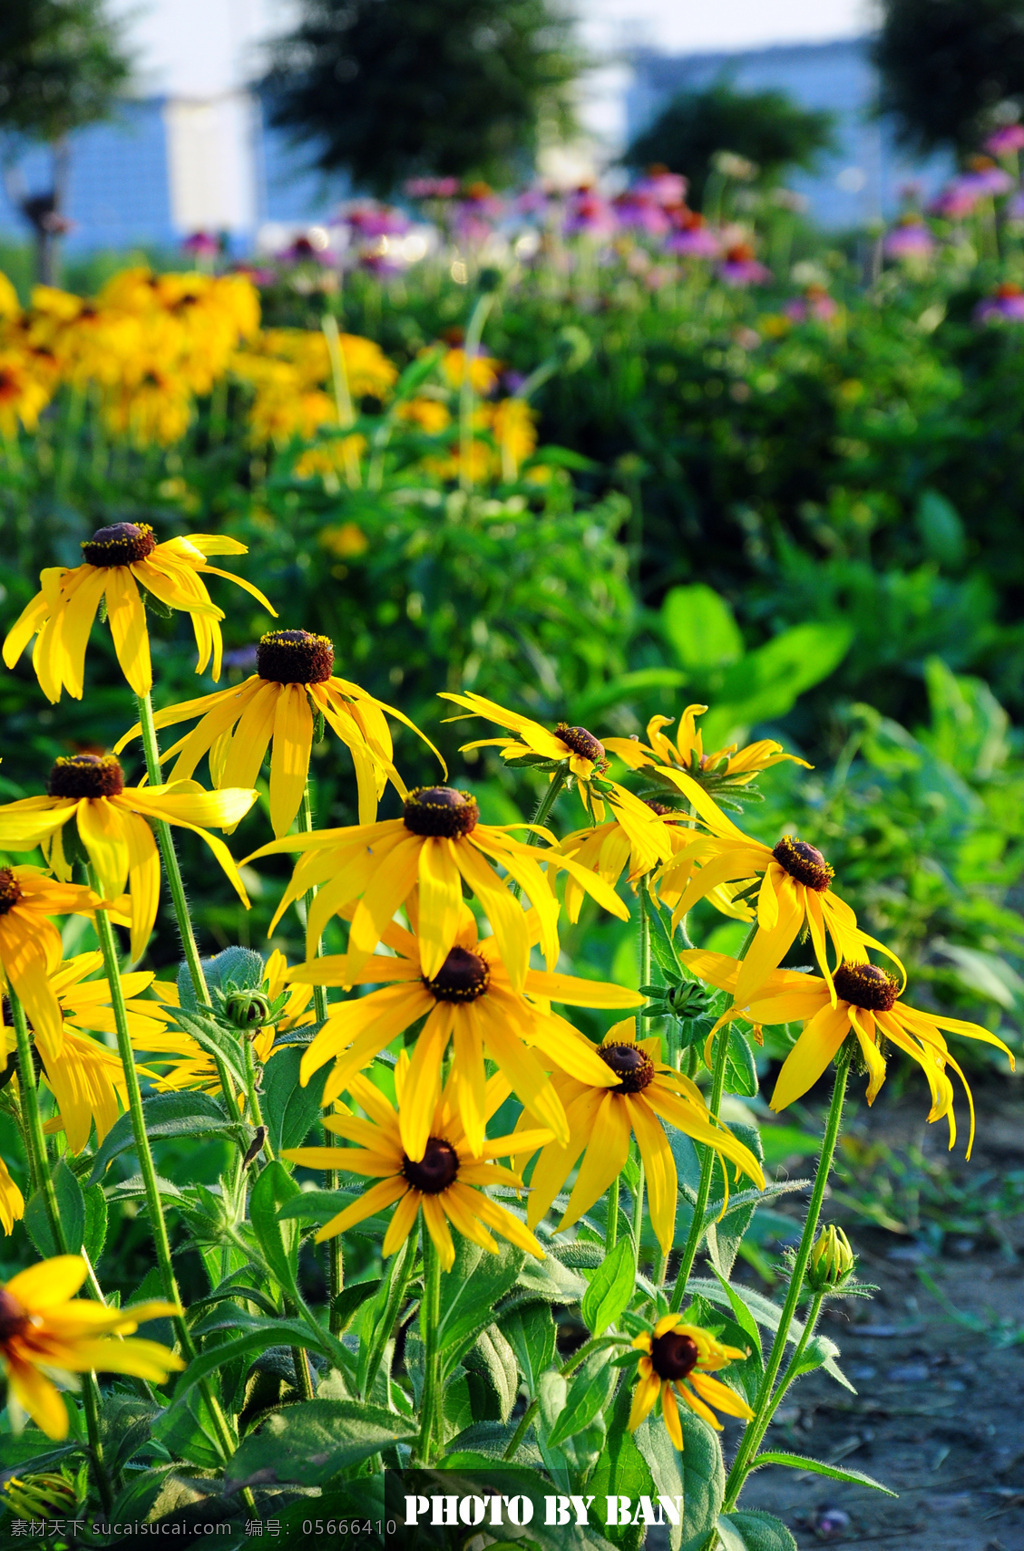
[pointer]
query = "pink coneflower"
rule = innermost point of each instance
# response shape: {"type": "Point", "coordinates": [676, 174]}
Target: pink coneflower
{"type": "Point", "coordinates": [815, 305]}
{"type": "Point", "coordinates": [691, 235]}
{"type": "Point", "coordinates": [370, 221]}
{"type": "Point", "coordinates": [955, 201]}
{"type": "Point", "coordinates": [740, 267]}
{"type": "Point", "coordinates": [201, 245]}
{"type": "Point", "coordinates": [588, 214]}
{"type": "Point", "coordinates": [911, 239]}
{"type": "Point", "coordinates": [984, 177]}
{"type": "Point", "coordinates": [664, 187]}
{"type": "Point", "coordinates": [638, 211]}
{"type": "Point", "coordinates": [432, 188]}
{"type": "Point", "coordinates": [1005, 305]}
{"type": "Point", "coordinates": [1003, 142]}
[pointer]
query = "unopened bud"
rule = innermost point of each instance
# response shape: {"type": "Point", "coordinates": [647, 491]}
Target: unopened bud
{"type": "Point", "coordinates": [41, 1497]}
{"type": "Point", "coordinates": [247, 1009]}
{"type": "Point", "coordinates": [832, 1260]}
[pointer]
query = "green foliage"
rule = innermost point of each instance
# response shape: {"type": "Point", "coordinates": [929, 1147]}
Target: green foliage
{"type": "Point", "coordinates": [946, 65]}
{"type": "Point", "coordinates": [767, 128]}
{"type": "Point", "coordinates": [394, 89]}
{"type": "Point", "coordinates": [62, 65]}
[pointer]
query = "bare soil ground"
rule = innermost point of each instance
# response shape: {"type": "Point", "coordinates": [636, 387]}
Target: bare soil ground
{"type": "Point", "coordinates": [939, 1413]}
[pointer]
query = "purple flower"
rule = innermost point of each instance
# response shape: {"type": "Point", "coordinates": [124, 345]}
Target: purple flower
{"type": "Point", "coordinates": [815, 305]}
{"type": "Point", "coordinates": [432, 188]}
{"type": "Point", "coordinates": [910, 239]}
{"type": "Point", "coordinates": [664, 187]}
{"type": "Point", "coordinates": [1005, 305]}
{"type": "Point", "coordinates": [740, 267]}
{"type": "Point", "coordinates": [955, 201]}
{"type": "Point", "coordinates": [588, 215]}
{"type": "Point", "coordinates": [638, 211]}
{"type": "Point", "coordinates": [370, 221]}
{"type": "Point", "coordinates": [691, 235]}
{"type": "Point", "coordinates": [202, 244]}
{"type": "Point", "coordinates": [1006, 140]}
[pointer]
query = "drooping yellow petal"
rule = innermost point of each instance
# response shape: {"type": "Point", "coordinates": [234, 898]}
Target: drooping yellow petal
{"type": "Point", "coordinates": [289, 762]}
{"type": "Point", "coordinates": [127, 619]}
{"type": "Point", "coordinates": [440, 902]}
{"type": "Point", "coordinates": [817, 1046]}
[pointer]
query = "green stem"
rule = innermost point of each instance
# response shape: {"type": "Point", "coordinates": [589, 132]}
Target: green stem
{"type": "Point", "coordinates": [520, 1432]}
{"type": "Point", "coordinates": [400, 1274]}
{"type": "Point", "coordinates": [42, 1180]}
{"type": "Point", "coordinates": [161, 1242]}
{"type": "Point", "coordinates": [547, 801]}
{"type": "Point", "coordinates": [430, 1319]}
{"type": "Point", "coordinates": [252, 1099]}
{"type": "Point", "coordinates": [707, 1169]}
{"type": "Point", "coordinates": [335, 1261]}
{"type": "Point", "coordinates": [175, 883]}
{"type": "Point", "coordinates": [756, 1427]}
{"type": "Point", "coordinates": [611, 1230]}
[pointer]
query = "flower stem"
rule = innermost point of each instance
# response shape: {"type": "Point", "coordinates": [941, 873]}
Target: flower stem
{"type": "Point", "coordinates": [158, 1225]}
{"type": "Point", "coordinates": [547, 801]}
{"type": "Point", "coordinates": [611, 1229]}
{"type": "Point", "coordinates": [430, 1320]}
{"type": "Point", "coordinates": [335, 1262]}
{"type": "Point", "coordinates": [42, 1180]}
{"type": "Point", "coordinates": [175, 883]}
{"type": "Point", "coordinates": [757, 1426]}
{"type": "Point", "coordinates": [252, 1100]}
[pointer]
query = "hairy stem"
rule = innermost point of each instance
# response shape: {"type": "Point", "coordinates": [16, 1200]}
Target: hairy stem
{"type": "Point", "coordinates": [430, 1319]}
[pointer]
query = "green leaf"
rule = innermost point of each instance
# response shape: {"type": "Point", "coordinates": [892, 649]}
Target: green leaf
{"type": "Point", "coordinates": [662, 944]}
{"type": "Point", "coordinates": [698, 1474]}
{"type": "Point", "coordinates": [530, 1331]}
{"type": "Point", "coordinates": [94, 1233]}
{"type": "Point", "coordinates": [70, 1208]}
{"type": "Point", "coordinates": [288, 1108]}
{"type": "Point", "coordinates": [317, 1206]}
{"type": "Point", "coordinates": [279, 1240]}
{"type": "Point", "coordinates": [496, 1356]}
{"type": "Point", "coordinates": [749, 1529]}
{"type": "Point", "coordinates": [166, 1115]}
{"type": "Point", "coordinates": [589, 1392]}
{"type": "Point", "coordinates": [626, 687]}
{"type": "Point", "coordinates": [469, 1293]}
{"type": "Point", "coordinates": [740, 1071]}
{"type": "Point", "coordinates": [610, 1290]}
{"type": "Point", "coordinates": [820, 1468]}
{"type": "Point", "coordinates": [743, 1316]}
{"type": "Point", "coordinates": [219, 1042]}
{"type": "Point", "coordinates": [702, 629]}
{"type": "Point", "coordinates": [622, 1471]}
{"type": "Point", "coordinates": [724, 1237]}
{"type": "Point", "coordinates": [310, 1443]}
{"type": "Point", "coordinates": [768, 681]}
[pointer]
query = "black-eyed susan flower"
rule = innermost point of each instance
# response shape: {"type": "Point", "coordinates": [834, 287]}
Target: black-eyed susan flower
{"type": "Point", "coordinates": [437, 845]}
{"type": "Point", "coordinates": [574, 746]}
{"type": "Point", "coordinates": [177, 1061]}
{"type": "Point", "coordinates": [868, 1007]}
{"type": "Point", "coordinates": [46, 1330]}
{"type": "Point", "coordinates": [113, 824]}
{"type": "Point", "coordinates": [86, 1078]}
{"type": "Point", "coordinates": [731, 764]}
{"type": "Point", "coordinates": [30, 946]}
{"type": "Point", "coordinates": [625, 841]}
{"type": "Point", "coordinates": [602, 1120]}
{"type": "Point", "coordinates": [470, 1002]}
{"type": "Point", "coordinates": [116, 562]}
{"type": "Point", "coordinates": [680, 1360]}
{"type": "Point", "coordinates": [795, 892]}
{"type": "Point", "coordinates": [447, 1185]}
{"type": "Point", "coordinates": [293, 682]}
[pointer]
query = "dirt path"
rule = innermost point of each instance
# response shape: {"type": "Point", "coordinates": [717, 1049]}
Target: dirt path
{"type": "Point", "coordinates": [938, 1361]}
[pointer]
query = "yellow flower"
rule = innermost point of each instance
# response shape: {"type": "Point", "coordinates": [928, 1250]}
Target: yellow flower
{"type": "Point", "coordinates": [44, 1329]}
{"type": "Point", "coordinates": [438, 844]}
{"type": "Point", "coordinates": [86, 1078]}
{"type": "Point", "coordinates": [344, 539]}
{"type": "Point", "coordinates": [30, 947]}
{"type": "Point", "coordinates": [152, 410]}
{"type": "Point", "coordinates": [795, 892]}
{"type": "Point", "coordinates": [601, 1121]}
{"type": "Point", "coordinates": [275, 708]}
{"type": "Point", "coordinates": [483, 370]}
{"type": "Point", "coordinates": [12, 1202]}
{"type": "Point", "coordinates": [446, 1184]}
{"type": "Point", "coordinates": [679, 1360]}
{"type": "Point", "coordinates": [574, 746]}
{"type": "Point", "coordinates": [187, 1065]}
{"type": "Point", "coordinates": [514, 428]}
{"type": "Point", "coordinates": [113, 823]}
{"type": "Point", "coordinates": [430, 415]}
{"type": "Point", "coordinates": [23, 395]}
{"type": "Point", "coordinates": [470, 1001]}
{"type": "Point", "coordinates": [116, 560]}
{"type": "Point", "coordinates": [624, 839]}
{"type": "Point", "coordinates": [866, 1003]}
{"type": "Point", "coordinates": [832, 1260]}
{"type": "Point", "coordinates": [687, 752]}
{"type": "Point", "coordinates": [329, 459]}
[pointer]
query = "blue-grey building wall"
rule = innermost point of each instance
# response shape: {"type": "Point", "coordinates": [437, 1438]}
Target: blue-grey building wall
{"type": "Point", "coordinates": [836, 76]}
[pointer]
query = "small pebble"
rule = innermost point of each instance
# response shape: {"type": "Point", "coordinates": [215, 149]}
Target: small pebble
{"type": "Point", "coordinates": [908, 1373]}
{"type": "Point", "coordinates": [830, 1523]}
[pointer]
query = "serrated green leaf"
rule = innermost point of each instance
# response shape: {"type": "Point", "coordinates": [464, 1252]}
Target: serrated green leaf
{"type": "Point", "coordinates": [469, 1293]}
{"type": "Point", "coordinates": [242, 967]}
{"type": "Point", "coordinates": [589, 1392]}
{"type": "Point", "coordinates": [277, 1238]}
{"type": "Point", "coordinates": [530, 1331]}
{"type": "Point", "coordinates": [310, 1443]}
{"type": "Point", "coordinates": [70, 1208]}
{"type": "Point", "coordinates": [166, 1115]}
{"type": "Point", "coordinates": [610, 1289]}
{"type": "Point", "coordinates": [820, 1467]}
{"type": "Point", "coordinates": [751, 1530]}
{"type": "Point", "coordinates": [740, 1070]}
{"type": "Point", "coordinates": [289, 1109]}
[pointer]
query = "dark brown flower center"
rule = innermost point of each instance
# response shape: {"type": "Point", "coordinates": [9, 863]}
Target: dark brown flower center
{"type": "Point", "coordinates": [580, 741]}
{"type": "Point", "coordinates": [86, 775]}
{"type": "Point", "coordinates": [294, 657]}
{"type": "Point", "coordinates": [10, 890]}
{"type": "Point", "coordinates": [660, 808]}
{"type": "Point", "coordinates": [673, 1355]}
{"type": "Point", "coordinates": [804, 862]}
{"type": "Point", "coordinates": [631, 1065]}
{"type": "Point", "coordinates": [866, 985]}
{"type": "Point", "coordinates": [436, 1170]}
{"type": "Point", "coordinates": [121, 544]}
{"type": "Point", "coordinates": [440, 810]}
{"type": "Point", "coordinates": [13, 1318]}
{"type": "Point", "coordinates": [462, 977]}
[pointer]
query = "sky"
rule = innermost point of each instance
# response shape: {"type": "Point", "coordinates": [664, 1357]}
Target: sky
{"type": "Point", "coordinates": [204, 47]}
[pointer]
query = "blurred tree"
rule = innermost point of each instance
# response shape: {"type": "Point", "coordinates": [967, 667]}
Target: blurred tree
{"type": "Point", "coordinates": [61, 67]}
{"type": "Point", "coordinates": [391, 89]}
{"type": "Point", "coordinates": [763, 127]}
{"type": "Point", "coordinates": [946, 64]}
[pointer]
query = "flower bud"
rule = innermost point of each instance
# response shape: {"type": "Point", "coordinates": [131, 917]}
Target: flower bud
{"type": "Point", "coordinates": [247, 1009]}
{"type": "Point", "coordinates": [48, 1496]}
{"type": "Point", "coordinates": [832, 1260]}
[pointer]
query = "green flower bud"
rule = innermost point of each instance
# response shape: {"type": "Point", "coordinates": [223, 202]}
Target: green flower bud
{"type": "Point", "coordinates": [41, 1497]}
{"type": "Point", "coordinates": [247, 1009]}
{"type": "Point", "coordinates": [832, 1261]}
